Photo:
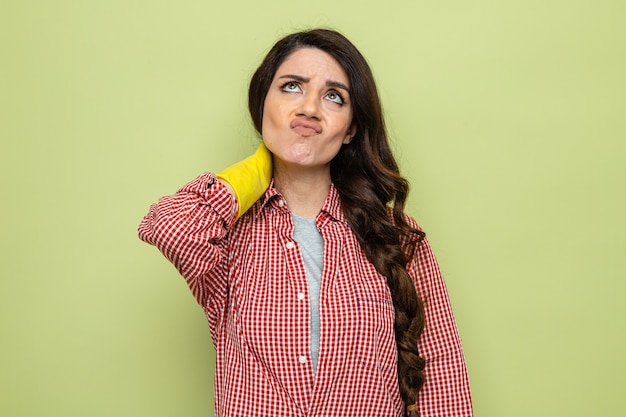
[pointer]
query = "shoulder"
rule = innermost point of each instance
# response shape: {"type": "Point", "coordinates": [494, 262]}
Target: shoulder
{"type": "Point", "coordinates": [409, 220]}
{"type": "Point", "coordinates": [412, 223]}
{"type": "Point", "coordinates": [410, 234]}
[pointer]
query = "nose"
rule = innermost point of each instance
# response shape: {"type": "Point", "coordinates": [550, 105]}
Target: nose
{"type": "Point", "coordinates": [308, 107]}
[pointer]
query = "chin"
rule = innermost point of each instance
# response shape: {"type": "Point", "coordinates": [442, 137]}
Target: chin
{"type": "Point", "coordinates": [298, 154]}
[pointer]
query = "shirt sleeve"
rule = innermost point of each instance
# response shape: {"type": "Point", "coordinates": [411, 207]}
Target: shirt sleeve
{"type": "Point", "coordinates": [446, 391]}
{"type": "Point", "coordinates": [189, 228]}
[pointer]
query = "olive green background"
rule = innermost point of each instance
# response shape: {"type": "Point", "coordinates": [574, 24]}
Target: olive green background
{"type": "Point", "coordinates": [508, 117]}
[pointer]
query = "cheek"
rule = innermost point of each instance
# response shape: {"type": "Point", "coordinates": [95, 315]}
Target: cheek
{"type": "Point", "coordinates": [272, 110]}
{"type": "Point", "coordinates": [267, 121]}
{"type": "Point", "coordinates": [269, 132]}
{"type": "Point", "coordinates": [344, 126]}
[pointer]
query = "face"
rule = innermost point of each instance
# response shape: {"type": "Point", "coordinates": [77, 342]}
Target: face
{"type": "Point", "coordinates": [307, 114]}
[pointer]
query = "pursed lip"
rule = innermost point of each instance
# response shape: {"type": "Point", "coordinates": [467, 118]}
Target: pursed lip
{"type": "Point", "coordinates": [305, 127]}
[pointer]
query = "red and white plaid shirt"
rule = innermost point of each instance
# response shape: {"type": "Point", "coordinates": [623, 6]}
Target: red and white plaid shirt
{"type": "Point", "coordinates": [251, 282]}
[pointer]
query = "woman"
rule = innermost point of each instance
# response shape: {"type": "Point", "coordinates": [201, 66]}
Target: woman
{"type": "Point", "coordinates": [318, 289]}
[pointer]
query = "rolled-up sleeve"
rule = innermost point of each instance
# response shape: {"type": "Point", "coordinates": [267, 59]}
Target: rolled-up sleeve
{"type": "Point", "coordinates": [189, 228]}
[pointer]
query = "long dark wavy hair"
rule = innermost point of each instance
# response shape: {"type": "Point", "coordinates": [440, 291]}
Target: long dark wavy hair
{"type": "Point", "coordinates": [372, 191]}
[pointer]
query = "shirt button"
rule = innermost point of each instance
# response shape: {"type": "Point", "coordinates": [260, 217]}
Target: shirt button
{"type": "Point", "coordinates": [290, 245]}
{"type": "Point", "coordinates": [302, 359]}
{"type": "Point", "coordinates": [300, 296]}
{"type": "Point", "coordinates": [281, 202]}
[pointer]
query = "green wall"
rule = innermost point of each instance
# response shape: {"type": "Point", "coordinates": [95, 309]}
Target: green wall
{"type": "Point", "coordinates": [508, 117]}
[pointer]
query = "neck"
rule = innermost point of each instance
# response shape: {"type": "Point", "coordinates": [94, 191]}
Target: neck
{"type": "Point", "coordinates": [304, 190]}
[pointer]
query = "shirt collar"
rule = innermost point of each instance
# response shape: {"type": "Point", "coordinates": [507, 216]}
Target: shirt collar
{"type": "Point", "coordinates": [331, 207]}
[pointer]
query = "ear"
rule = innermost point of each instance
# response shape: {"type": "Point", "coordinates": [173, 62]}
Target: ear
{"type": "Point", "coordinates": [349, 135]}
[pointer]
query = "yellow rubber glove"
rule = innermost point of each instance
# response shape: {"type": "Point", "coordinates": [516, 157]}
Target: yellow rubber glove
{"type": "Point", "coordinates": [249, 178]}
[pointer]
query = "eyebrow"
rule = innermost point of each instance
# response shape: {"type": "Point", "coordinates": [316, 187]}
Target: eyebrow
{"type": "Point", "coordinates": [329, 83]}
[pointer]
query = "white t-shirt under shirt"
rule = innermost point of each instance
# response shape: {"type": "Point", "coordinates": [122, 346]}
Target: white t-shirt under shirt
{"type": "Point", "coordinates": [312, 248]}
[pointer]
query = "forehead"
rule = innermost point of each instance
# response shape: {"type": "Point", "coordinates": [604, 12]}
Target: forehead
{"type": "Point", "coordinates": [312, 63]}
